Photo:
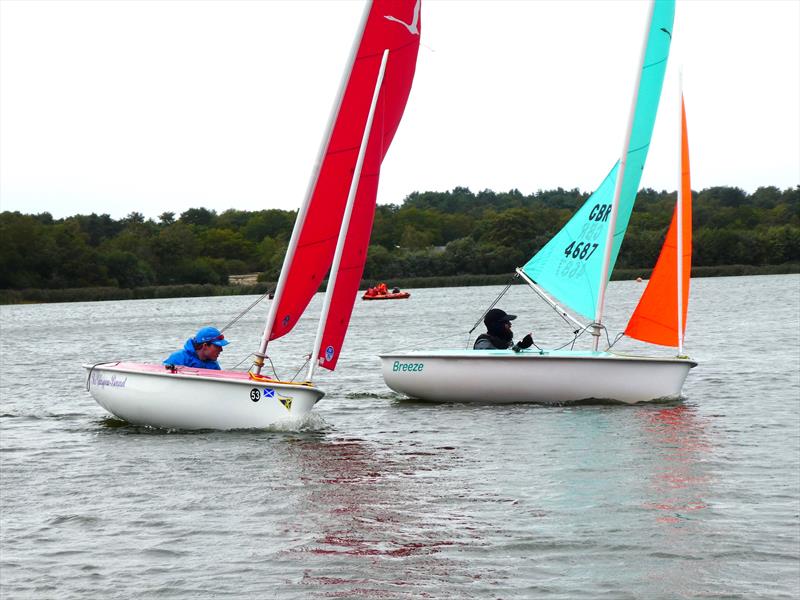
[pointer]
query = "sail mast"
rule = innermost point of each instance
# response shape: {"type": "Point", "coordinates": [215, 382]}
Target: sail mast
{"type": "Point", "coordinates": [337, 257]}
{"type": "Point", "coordinates": [679, 224]}
{"type": "Point", "coordinates": [612, 220]}
{"type": "Point", "coordinates": [258, 362]}
{"type": "Point", "coordinates": [684, 238]}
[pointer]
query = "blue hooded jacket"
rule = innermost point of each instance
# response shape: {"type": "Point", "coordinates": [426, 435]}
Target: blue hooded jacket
{"type": "Point", "coordinates": [188, 358]}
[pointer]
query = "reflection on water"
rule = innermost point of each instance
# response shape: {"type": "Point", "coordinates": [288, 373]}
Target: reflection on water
{"type": "Point", "coordinates": [368, 503]}
{"type": "Point", "coordinates": [678, 481]}
{"type": "Point", "coordinates": [676, 494]}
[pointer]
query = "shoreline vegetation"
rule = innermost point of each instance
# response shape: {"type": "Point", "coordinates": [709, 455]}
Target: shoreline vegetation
{"type": "Point", "coordinates": [96, 294]}
{"type": "Point", "coordinates": [431, 239]}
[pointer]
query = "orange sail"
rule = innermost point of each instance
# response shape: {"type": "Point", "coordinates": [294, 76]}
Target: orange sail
{"type": "Point", "coordinates": [660, 317]}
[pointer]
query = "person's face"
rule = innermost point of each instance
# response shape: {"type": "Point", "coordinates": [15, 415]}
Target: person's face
{"type": "Point", "coordinates": [507, 325]}
{"type": "Point", "coordinates": [209, 352]}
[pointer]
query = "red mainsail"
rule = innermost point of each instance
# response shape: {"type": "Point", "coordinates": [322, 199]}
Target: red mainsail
{"type": "Point", "coordinates": [655, 319]}
{"type": "Point", "coordinates": [392, 25]}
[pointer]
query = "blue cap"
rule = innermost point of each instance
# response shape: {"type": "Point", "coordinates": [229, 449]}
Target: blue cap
{"type": "Point", "coordinates": [210, 335]}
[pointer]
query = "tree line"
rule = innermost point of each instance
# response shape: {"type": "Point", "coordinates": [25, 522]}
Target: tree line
{"type": "Point", "coordinates": [431, 234]}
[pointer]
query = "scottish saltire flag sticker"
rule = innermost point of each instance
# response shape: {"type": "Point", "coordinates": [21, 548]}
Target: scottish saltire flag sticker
{"type": "Point", "coordinates": [268, 393]}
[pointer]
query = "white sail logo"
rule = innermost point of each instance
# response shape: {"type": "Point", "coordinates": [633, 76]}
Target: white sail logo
{"type": "Point", "coordinates": [412, 27]}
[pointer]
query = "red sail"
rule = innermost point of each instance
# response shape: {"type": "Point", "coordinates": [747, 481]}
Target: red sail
{"type": "Point", "coordinates": [655, 319]}
{"type": "Point", "coordinates": [392, 25]}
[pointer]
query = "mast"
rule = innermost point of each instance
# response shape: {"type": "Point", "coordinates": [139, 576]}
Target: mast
{"type": "Point", "coordinates": [679, 248]}
{"type": "Point", "coordinates": [612, 220]}
{"type": "Point", "coordinates": [258, 361]}
{"type": "Point", "coordinates": [351, 197]}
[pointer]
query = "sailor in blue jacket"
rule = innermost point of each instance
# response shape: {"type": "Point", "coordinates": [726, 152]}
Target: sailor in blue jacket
{"type": "Point", "coordinates": [200, 351]}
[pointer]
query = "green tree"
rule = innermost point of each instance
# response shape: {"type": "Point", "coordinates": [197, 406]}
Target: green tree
{"type": "Point", "coordinates": [415, 239]}
{"type": "Point", "coordinates": [27, 253]}
{"type": "Point", "coordinates": [202, 217]}
{"type": "Point", "coordinates": [127, 270]}
{"type": "Point", "coordinates": [76, 263]}
{"type": "Point", "coordinates": [269, 223]}
{"type": "Point", "coordinates": [378, 264]}
{"type": "Point", "coordinates": [224, 243]}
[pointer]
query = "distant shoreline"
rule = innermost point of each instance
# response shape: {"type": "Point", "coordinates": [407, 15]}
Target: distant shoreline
{"type": "Point", "coordinates": [95, 294]}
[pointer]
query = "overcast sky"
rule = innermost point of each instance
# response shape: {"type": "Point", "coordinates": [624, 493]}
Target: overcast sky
{"type": "Point", "coordinates": [153, 106]}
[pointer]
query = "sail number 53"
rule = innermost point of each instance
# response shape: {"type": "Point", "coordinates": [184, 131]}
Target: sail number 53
{"type": "Point", "coordinates": [580, 250]}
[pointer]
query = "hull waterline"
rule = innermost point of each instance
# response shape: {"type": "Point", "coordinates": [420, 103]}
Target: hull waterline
{"type": "Point", "coordinates": [196, 398]}
{"type": "Point", "coordinates": [505, 377]}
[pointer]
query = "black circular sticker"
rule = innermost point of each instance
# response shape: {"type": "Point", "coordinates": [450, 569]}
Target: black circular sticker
{"type": "Point", "coordinates": [255, 395]}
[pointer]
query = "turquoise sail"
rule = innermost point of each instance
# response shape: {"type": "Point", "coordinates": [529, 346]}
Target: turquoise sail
{"type": "Point", "coordinates": [570, 265]}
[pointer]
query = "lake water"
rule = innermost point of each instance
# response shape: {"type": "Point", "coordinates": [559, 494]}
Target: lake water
{"type": "Point", "coordinates": [379, 497]}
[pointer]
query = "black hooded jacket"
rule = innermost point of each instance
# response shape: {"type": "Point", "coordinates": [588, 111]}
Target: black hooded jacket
{"type": "Point", "coordinates": [496, 337]}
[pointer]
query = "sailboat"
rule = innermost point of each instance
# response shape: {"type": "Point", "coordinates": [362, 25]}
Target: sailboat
{"type": "Point", "coordinates": [330, 236]}
{"type": "Point", "coordinates": [575, 267]}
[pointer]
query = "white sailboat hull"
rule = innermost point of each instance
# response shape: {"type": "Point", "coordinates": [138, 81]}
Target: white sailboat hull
{"type": "Point", "coordinates": [192, 398]}
{"type": "Point", "coordinates": [505, 377]}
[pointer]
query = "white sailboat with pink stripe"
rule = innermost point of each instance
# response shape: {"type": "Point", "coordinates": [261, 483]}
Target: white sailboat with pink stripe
{"type": "Point", "coordinates": [330, 239]}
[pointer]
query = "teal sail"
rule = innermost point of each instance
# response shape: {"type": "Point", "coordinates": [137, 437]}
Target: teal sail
{"type": "Point", "coordinates": [570, 265]}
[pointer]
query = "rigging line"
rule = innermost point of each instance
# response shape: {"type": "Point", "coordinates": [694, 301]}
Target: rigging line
{"type": "Point", "coordinates": [239, 364]}
{"type": "Point", "coordinates": [535, 345]}
{"type": "Point", "coordinates": [575, 335]}
{"type": "Point", "coordinates": [271, 364]}
{"type": "Point", "coordinates": [493, 304]}
{"type": "Point", "coordinates": [620, 335]}
{"type": "Point", "coordinates": [274, 370]}
{"type": "Point", "coordinates": [245, 311]}
{"type": "Point", "coordinates": [303, 366]}
{"type": "Point", "coordinates": [599, 326]}
{"type": "Point", "coordinates": [570, 343]}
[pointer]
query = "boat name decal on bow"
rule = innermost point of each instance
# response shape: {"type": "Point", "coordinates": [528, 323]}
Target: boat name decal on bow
{"type": "Point", "coordinates": [113, 381]}
{"type": "Point", "coordinates": [398, 366]}
{"type": "Point", "coordinates": [412, 27]}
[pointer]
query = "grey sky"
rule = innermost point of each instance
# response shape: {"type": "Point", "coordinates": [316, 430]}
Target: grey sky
{"type": "Point", "coordinates": [113, 107]}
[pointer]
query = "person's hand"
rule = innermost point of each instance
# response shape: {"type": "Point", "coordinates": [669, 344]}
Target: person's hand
{"type": "Point", "coordinates": [526, 342]}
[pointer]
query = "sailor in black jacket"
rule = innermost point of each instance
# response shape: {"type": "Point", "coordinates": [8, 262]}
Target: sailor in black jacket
{"type": "Point", "coordinates": [498, 334]}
